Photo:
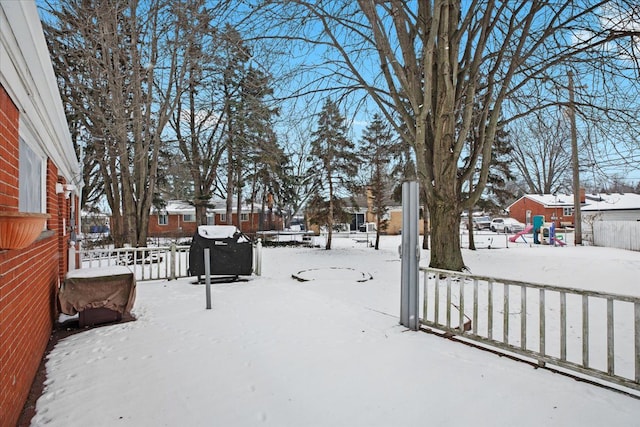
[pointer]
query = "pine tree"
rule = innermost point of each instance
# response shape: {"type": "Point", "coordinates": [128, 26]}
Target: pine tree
{"type": "Point", "coordinates": [337, 164]}
{"type": "Point", "coordinates": [378, 151]}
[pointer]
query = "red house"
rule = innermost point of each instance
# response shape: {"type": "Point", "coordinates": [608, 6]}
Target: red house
{"type": "Point", "coordinates": [178, 219]}
{"type": "Point", "coordinates": [39, 174]}
{"type": "Point", "coordinates": [554, 207]}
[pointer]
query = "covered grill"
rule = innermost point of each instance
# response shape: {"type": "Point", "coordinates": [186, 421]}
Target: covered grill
{"type": "Point", "coordinates": [230, 251]}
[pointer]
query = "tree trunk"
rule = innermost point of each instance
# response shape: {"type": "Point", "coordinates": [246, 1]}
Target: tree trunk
{"type": "Point", "coordinates": [201, 212]}
{"type": "Point", "coordinates": [445, 237]}
{"type": "Point", "coordinates": [330, 216]}
{"type": "Point", "coordinates": [239, 200]}
{"type": "Point", "coordinates": [229, 186]}
{"type": "Point", "coordinates": [425, 227]}
{"type": "Point", "coordinates": [116, 230]}
{"type": "Point", "coordinates": [472, 242]}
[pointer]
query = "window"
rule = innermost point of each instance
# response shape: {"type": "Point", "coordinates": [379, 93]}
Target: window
{"type": "Point", "coordinates": [189, 218]}
{"type": "Point", "coordinates": [223, 218]}
{"type": "Point", "coordinates": [211, 220]}
{"type": "Point", "coordinates": [30, 179]}
{"type": "Point", "coordinates": [163, 218]}
{"type": "Point", "coordinates": [567, 211]}
{"type": "Point", "coordinates": [244, 217]}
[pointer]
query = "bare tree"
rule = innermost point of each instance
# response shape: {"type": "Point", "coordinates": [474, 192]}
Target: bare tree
{"type": "Point", "coordinates": [427, 63]}
{"type": "Point", "coordinates": [197, 122]}
{"type": "Point", "coordinates": [301, 178]}
{"type": "Point", "coordinates": [541, 152]}
{"type": "Point", "coordinates": [120, 61]}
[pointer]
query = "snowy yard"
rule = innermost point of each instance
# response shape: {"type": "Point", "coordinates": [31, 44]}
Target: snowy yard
{"type": "Point", "coordinates": [275, 351]}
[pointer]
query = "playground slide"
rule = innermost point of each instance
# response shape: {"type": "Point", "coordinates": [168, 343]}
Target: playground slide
{"type": "Point", "coordinates": [558, 242]}
{"type": "Point", "coordinates": [526, 230]}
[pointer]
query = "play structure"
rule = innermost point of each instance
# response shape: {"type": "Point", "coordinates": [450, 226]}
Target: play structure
{"type": "Point", "coordinates": [521, 234]}
{"type": "Point", "coordinates": [543, 233]}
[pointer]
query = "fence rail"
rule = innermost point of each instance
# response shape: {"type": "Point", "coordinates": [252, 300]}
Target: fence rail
{"type": "Point", "coordinates": [153, 263]}
{"type": "Point", "coordinates": [594, 333]}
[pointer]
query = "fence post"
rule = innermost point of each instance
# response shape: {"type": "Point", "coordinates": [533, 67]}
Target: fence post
{"type": "Point", "coordinates": [172, 262]}
{"type": "Point", "coordinates": [258, 259]}
{"type": "Point", "coordinates": [410, 254]}
{"type": "Point", "coordinates": [73, 265]}
{"type": "Point", "coordinates": [207, 276]}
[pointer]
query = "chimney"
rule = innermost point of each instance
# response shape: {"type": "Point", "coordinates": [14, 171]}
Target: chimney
{"type": "Point", "coordinates": [582, 196]}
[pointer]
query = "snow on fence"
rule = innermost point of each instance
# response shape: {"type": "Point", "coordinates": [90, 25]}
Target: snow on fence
{"type": "Point", "coordinates": [152, 263]}
{"type": "Point", "coordinates": [617, 234]}
{"type": "Point", "coordinates": [593, 333]}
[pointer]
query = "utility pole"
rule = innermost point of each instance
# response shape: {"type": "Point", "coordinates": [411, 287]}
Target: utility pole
{"type": "Point", "coordinates": [577, 216]}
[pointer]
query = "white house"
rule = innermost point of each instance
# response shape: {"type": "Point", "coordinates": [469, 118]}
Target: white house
{"type": "Point", "coordinates": [611, 211]}
{"type": "Point", "coordinates": [612, 207]}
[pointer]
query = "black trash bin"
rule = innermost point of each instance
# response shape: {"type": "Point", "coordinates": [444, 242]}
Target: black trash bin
{"type": "Point", "coordinates": [230, 251]}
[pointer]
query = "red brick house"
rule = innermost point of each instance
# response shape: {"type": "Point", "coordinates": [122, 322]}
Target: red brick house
{"type": "Point", "coordinates": [178, 219]}
{"type": "Point", "coordinates": [39, 173]}
{"type": "Point", "coordinates": [554, 207]}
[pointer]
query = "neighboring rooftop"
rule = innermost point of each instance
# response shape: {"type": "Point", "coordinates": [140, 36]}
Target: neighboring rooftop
{"type": "Point", "coordinates": [611, 201]}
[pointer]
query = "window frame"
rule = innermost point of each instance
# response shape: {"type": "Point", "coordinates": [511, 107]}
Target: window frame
{"type": "Point", "coordinates": [25, 179]}
{"type": "Point", "coordinates": [164, 215]}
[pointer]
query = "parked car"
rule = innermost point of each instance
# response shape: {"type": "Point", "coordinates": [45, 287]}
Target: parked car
{"type": "Point", "coordinates": [481, 222]}
{"type": "Point", "coordinates": [506, 225]}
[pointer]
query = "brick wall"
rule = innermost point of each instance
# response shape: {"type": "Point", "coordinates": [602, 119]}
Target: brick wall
{"type": "Point", "coordinates": [175, 227]}
{"type": "Point", "coordinates": [28, 277]}
{"type": "Point", "coordinates": [9, 150]}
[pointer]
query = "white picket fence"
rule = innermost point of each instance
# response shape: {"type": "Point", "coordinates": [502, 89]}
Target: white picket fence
{"type": "Point", "coordinates": [150, 263]}
{"type": "Point", "coordinates": [157, 263]}
{"type": "Point", "coordinates": [616, 234]}
{"type": "Point", "coordinates": [596, 334]}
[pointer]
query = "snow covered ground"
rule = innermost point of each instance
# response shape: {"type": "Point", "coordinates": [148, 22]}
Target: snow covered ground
{"type": "Point", "coordinates": [274, 351]}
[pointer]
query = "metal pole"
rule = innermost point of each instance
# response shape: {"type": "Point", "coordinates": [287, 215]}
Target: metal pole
{"type": "Point", "coordinates": [576, 171]}
{"type": "Point", "coordinates": [207, 276]}
{"type": "Point", "coordinates": [258, 264]}
{"type": "Point", "coordinates": [410, 253]}
{"type": "Point", "coordinates": [172, 262]}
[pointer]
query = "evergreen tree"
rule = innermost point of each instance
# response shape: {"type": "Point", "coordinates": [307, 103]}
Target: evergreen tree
{"type": "Point", "coordinates": [378, 151]}
{"type": "Point", "coordinates": [497, 193]}
{"type": "Point", "coordinates": [334, 155]}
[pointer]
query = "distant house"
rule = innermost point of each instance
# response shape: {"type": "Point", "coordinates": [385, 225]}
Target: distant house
{"type": "Point", "coordinates": [252, 219]}
{"type": "Point", "coordinates": [554, 207]}
{"type": "Point", "coordinates": [611, 207]}
{"type": "Point", "coordinates": [39, 173]}
{"type": "Point", "coordinates": [612, 219]}
{"type": "Point", "coordinates": [363, 211]}
{"type": "Point", "coordinates": [178, 219]}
